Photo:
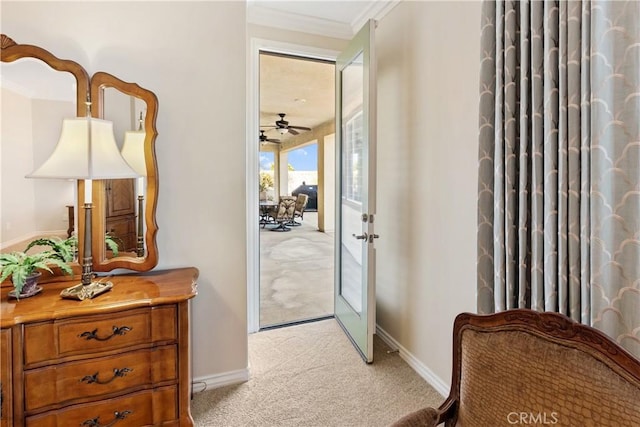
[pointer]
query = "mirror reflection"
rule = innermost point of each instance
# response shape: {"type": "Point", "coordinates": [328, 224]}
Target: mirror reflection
{"type": "Point", "coordinates": [126, 208]}
{"type": "Point", "coordinates": [35, 99]}
{"type": "Point", "coordinates": [124, 198]}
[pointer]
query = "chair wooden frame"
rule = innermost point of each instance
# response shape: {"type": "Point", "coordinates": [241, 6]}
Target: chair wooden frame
{"type": "Point", "coordinates": [548, 326]}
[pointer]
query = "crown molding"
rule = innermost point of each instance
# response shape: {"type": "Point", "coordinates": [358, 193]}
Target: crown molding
{"type": "Point", "coordinates": [376, 10]}
{"type": "Point", "coordinates": [261, 15]}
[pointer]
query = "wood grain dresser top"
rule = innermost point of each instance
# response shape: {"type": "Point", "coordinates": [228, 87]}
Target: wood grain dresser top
{"type": "Point", "coordinates": [129, 291]}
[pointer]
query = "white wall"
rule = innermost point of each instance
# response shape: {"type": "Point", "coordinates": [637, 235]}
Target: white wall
{"type": "Point", "coordinates": [17, 211]}
{"type": "Point", "coordinates": [51, 195]}
{"type": "Point", "coordinates": [192, 55]}
{"type": "Point", "coordinates": [31, 207]}
{"type": "Point", "coordinates": [428, 64]}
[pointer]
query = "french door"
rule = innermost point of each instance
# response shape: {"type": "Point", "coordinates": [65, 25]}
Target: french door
{"type": "Point", "coordinates": [355, 207]}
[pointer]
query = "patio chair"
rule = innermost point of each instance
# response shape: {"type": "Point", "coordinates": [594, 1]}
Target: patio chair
{"type": "Point", "coordinates": [284, 215]}
{"type": "Point", "coordinates": [268, 211]}
{"type": "Point", "coordinates": [301, 203]}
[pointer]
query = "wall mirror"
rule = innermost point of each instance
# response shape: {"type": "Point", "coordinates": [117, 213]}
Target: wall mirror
{"type": "Point", "coordinates": [39, 90]}
{"type": "Point", "coordinates": [125, 211]}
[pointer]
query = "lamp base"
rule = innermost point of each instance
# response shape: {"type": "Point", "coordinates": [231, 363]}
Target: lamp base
{"type": "Point", "coordinates": [81, 292]}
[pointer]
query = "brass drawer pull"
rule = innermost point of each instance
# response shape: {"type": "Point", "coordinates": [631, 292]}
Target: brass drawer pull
{"type": "Point", "coordinates": [117, 373]}
{"type": "Point", "coordinates": [96, 423]}
{"type": "Point", "coordinates": [93, 335]}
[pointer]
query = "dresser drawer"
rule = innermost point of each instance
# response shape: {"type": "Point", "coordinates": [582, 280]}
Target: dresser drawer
{"type": "Point", "coordinates": [68, 382]}
{"type": "Point", "coordinates": [6, 383]}
{"type": "Point", "coordinates": [146, 408]}
{"type": "Point", "coordinates": [96, 334]}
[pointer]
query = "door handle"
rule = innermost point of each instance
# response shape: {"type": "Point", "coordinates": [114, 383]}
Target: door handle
{"type": "Point", "coordinates": [363, 236]}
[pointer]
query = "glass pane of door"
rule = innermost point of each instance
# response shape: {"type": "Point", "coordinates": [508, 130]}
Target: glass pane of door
{"type": "Point", "coordinates": [351, 206]}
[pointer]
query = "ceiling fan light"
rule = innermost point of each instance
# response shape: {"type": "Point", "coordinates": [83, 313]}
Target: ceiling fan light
{"type": "Point", "coordinates": [283, 130]}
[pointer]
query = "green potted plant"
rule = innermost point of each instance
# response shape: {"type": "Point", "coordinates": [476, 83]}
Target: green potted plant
{"type": "Point", "coordinates": [24, 270]}
{"type": "Point", "coordinates": [64, 249]}
{"type": "Point", "coordinates": [266, 182]}
{"type": "Point", "coordinates": [67, 249]}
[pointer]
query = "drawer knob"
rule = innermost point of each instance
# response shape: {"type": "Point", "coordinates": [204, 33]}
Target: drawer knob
{"type": "Point", "coordinates": [93, 335]}
{"type": "Point", "coordinates": [95, 422]}
{"type": "Point", "coordinates": [117, 373]}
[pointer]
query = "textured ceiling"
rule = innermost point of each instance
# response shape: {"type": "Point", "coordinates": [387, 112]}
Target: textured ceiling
{"type": "Point", "coordinates": [301, 88]}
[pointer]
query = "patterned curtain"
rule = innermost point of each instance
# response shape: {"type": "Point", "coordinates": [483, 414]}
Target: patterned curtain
{"type": "Point", "coordinates": [559, 162]}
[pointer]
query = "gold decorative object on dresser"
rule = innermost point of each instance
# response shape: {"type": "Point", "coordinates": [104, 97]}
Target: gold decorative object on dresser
{"type": "Point", "coordinates": [121, 359]}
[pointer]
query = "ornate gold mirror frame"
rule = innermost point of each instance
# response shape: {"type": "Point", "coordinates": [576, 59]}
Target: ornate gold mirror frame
{"type": "Point", "coordinates": [12, 51]}
{"type": "Point", "coordinates": [148, 259]}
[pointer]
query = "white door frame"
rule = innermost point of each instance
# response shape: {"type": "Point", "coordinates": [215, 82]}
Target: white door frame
{"type": "Point", "coordinates": [253, 160]}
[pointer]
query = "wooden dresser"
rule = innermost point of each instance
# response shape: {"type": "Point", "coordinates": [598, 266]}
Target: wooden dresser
{"type": "Point", "coordinates": [121, 359]}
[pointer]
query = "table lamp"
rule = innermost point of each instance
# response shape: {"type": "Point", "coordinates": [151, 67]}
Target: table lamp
{"type": "Point", "coordinates": [86, 150]}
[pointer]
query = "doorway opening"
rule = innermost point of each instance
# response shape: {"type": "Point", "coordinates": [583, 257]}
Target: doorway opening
{"type": "Point", "coordinates": [297, 162]}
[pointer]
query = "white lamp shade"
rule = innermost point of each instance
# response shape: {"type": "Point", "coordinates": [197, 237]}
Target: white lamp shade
{"type": "Point", "coordinates": [133, 151]}
{"type": "Point", "coordinates": [86, 150]}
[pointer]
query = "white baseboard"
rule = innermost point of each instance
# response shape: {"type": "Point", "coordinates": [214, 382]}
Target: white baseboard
{"type": "Point", "coordinates": [427, 374]}
{"type": "Point", "coordinates": [214, 381]}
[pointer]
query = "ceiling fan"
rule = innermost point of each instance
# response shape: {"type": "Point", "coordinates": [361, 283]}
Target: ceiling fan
{"type": "Point", "coordinates": [283, 127]}
{"type": "Point", "coordinates": [264, 138]}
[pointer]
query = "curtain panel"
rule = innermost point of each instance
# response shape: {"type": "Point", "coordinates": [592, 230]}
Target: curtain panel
{"type": "Point", "coordinates": [559, 162]}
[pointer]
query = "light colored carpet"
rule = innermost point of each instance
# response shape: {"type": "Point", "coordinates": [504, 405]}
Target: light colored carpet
{"type": "Point", "coordinates": [310, 375]}
{"type": "Point", "coordinates": [296, 273]}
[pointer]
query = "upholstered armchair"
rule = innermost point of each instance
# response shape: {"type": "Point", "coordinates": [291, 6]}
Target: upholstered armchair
{"type": "Point", "coordinates": [284, 215]}
{"type": "Point", "coordinates": [521, 367]}
{"type": "Point", "coordinates": [269, 213]}
{"type": "Point", "coordinates": [301, 204]}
